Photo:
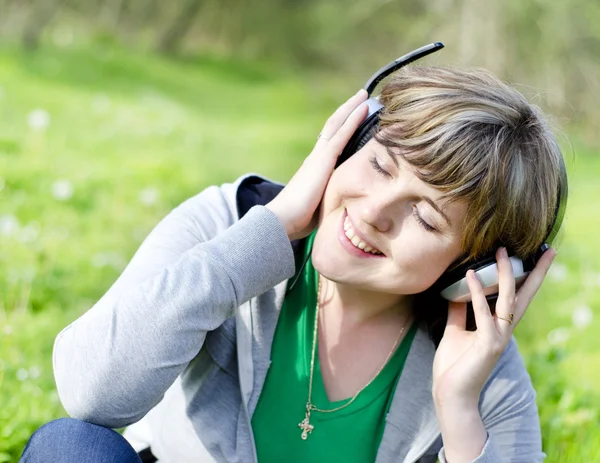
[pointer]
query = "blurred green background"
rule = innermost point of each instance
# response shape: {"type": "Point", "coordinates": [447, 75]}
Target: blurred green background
{"type": "Point", "coordinates": [112, 112]}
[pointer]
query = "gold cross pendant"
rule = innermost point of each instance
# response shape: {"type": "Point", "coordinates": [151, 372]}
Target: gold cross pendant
{"type": "Point", "coordinates": [306, 426]}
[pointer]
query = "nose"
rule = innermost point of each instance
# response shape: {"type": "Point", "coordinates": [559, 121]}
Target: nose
{"type": "Point", "coordinates": [384, 207]}
{"type": "Point", "coordinates": [377, 212]}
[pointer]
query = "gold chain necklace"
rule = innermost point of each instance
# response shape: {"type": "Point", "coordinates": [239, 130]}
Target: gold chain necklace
{"type": "Point", "coordinates": [305, 424]}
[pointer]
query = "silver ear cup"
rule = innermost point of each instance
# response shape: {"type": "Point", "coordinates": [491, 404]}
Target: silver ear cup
{"type": "Point", "coordinates": [488, 277]}
{"type": "Point", "coordinates": [374, 105]}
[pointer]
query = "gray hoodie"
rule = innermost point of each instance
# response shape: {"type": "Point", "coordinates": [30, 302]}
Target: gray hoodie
{"type": "Point", "coordinates": [178, 348]}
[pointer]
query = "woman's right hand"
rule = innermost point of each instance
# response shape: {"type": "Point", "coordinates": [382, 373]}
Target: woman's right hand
{"type": "Point", "coordinates": [297, 204]}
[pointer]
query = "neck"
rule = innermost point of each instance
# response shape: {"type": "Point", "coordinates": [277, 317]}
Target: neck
{"type": "Point", "coordinates": [357, 307]}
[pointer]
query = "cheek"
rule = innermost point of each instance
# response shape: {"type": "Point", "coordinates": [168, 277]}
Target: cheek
{"type": "Point", "coordinates": [356, 170]}
{"type": "Point", "coordinates": [424, 260]}
{"type": "Point", "coordinates": [343, 183]}
{"type": "Point", "coordinates": [351, 178]}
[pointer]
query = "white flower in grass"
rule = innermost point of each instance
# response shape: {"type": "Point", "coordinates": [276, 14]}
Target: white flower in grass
{"type": "Point", "coordinates": [558, 272]}
{"type": "Point", "coordinates": [62, 36]}
{"type": "Point", "coordinates": [99, 260]}
{"type": "Point", "coordinates": [139, 233]}
{"type": "Point", "coordinates": [105, 259]}
{"type": "Point", "coordinates": [13, 275]}
{"type": "Point", "coordinates": [35, 372]}
{"type": "Point", "coordinates": [566, 401]}
{"type": "Point", "coordinates": [9, 225]}
{"type": "Point", "coordinates": [29, 233]}
{"type": "Point", "coordinates": [101, 103]}
{"type": "Point", "coordinates": [149, 196]}
{"type": "Point", "coordinates": [7, 330]}
{"type": "Point", "coordinates": [558, 336]}
{"type": "Point", "coordinates": [22, 374]}
{"type": "Point", "coordinates": [62, 190]}
{"type": "Point", "coordinates": [166, 129]}
{"type": "Point", "coordinates": [38, 119]}
{"type": "Point", "coordinates": [28, 274]}
{"type": "Point", "coordinates": [582, 316]}
{"type": "Point", "coordinates": [62, 233]}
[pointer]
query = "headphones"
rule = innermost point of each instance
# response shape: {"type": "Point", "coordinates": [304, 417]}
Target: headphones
{"type": "Point", "coordinates": [452, 285]}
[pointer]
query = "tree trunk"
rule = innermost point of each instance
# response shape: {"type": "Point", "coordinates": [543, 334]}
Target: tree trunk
{"type": "Point", "coordinates": [171, 39]}
{"type": "Point", "coordinates": [42, 13]}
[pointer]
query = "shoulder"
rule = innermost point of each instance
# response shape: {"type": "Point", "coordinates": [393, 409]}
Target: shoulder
{"type": "Point", "coordinates": [217, 207]}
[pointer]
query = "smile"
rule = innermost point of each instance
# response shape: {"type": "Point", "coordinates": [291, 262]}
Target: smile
{"type": "Point", "coordinates": [354, 243]}
{"type": "Point", "coordinates": [355, 240]}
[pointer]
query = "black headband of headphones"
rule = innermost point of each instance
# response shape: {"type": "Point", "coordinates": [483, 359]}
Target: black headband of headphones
{"type": "Point", "coordinates": [365, 130]}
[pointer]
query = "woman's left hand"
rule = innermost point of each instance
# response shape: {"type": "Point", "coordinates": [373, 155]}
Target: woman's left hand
{"type": "Point", "coordinates": [464, 359]}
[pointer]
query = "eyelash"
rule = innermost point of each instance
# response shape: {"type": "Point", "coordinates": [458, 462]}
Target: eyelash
{"type": "Point", "coordinates": [425, 225]}
{"type": "Point", "coordinates": [377, 167]}
{"type": "Point", "coordinates": [385, 173]}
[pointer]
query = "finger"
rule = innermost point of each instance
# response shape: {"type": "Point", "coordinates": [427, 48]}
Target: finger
{"type": "Point", "coordinates": [341, 138]}
{"type": "Point", "coordinates": [336, 120]}
{"type": "Point", "coordinates": [457, 317]}
{"type": "Point", "coordinates": [506, 291]}
{"type": "Point", "coordinates": [481, 309]}
{"type": "Point", "coordinates": [533, 282]}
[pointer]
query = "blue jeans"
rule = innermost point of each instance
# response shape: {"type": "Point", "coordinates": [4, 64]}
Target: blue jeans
{"type": "Point", "coordinates": [67, 440]}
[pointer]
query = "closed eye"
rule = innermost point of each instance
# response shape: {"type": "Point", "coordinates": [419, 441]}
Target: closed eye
{"type": "Point", "coordinates": [424, 224]}
{"type": "Point", "coordinates": [378, 168]}
{"type": "Point", "coordinates": [385, 173]}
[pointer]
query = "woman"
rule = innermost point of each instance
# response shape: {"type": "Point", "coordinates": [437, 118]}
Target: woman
{"type": "Point", "coordinates": [217, 344]}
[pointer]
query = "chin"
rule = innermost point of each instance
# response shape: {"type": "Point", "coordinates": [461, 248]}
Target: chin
{"type": "Point", "coordinates": [324, 257]}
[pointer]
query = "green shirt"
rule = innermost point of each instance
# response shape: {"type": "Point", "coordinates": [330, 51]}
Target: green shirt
{"type": "Point", "coordinates": [351, 434]}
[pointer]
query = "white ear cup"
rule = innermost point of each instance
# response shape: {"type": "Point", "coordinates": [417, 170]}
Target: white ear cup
{"type": "Point", "coordinates": [488, 277]}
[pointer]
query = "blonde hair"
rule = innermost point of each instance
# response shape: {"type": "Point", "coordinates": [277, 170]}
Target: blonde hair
{"type": "Point", "coordinates": [476, 139]}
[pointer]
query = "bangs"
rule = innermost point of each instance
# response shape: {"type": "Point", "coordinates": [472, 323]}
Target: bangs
{"type": "Point", "coordinates": [456, 171]}
{"type": "Point", "coordinates": [480, 142]}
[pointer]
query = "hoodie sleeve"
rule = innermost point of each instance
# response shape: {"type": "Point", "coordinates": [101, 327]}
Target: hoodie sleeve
{"type": "Point", "coordinates": [509, 413]}
{"type": "Point", "coordinates": [115, 362]}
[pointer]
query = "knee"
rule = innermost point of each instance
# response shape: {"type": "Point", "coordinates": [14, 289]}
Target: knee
{"type": "Point", "coordinates": [65, 429]}
{"type": "Point", "coordinates": [73, 440]}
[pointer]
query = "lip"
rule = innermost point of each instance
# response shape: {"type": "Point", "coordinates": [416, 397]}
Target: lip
{"type": "Point", "coordinates": [347, 244]}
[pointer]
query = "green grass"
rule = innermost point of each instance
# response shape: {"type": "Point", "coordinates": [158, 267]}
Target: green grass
{"type": "Point", "coordinates": [130, 136]}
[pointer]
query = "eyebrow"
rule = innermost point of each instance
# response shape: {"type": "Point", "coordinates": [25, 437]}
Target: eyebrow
{"type": "Point", "coordinates": [436, 207]}
{"type": "Point", "coordinates": [392, 155]}
{"type": "Point", "coordinates": [431, 202]}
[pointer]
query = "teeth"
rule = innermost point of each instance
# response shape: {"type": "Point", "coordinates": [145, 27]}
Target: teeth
{"type": "Point", "coordinates": [356, 240]}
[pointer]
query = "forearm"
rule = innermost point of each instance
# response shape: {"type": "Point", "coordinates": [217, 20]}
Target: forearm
{"type": "Point", "coordinates": [463, 432]}
{"type": "Point", "coordinates": [115, 362]}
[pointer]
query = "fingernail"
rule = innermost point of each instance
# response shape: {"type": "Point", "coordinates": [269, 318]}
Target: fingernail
{"type": "Point", "coordinates": [503, 252]}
